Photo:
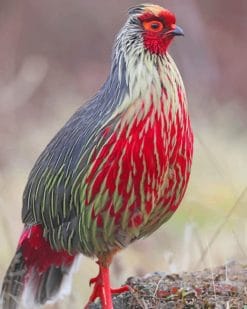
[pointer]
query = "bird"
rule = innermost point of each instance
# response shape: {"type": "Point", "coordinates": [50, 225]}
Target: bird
{"type": "Point", "coordinates": [114, 173]}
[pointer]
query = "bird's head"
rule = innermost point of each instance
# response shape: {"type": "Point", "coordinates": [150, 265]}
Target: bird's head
{"type": "Point", "coordinates": [150, 27]}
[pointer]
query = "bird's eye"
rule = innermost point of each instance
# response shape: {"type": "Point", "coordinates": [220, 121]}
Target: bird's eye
{"type": "Point", "coordinates": [153, 25]}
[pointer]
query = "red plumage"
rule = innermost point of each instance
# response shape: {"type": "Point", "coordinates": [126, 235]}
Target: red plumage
{"type": "Point", "coordinates": [37, 252]}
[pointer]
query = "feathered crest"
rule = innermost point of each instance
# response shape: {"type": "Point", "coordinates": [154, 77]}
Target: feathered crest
{"type": "Point", "coordinates": [141, 8]}
{"type": "Point", "coordinates": [137, 9]}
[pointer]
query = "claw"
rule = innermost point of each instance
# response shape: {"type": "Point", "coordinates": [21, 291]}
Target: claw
{"type": "Point", "coordinates": [93, 280]}
{"type": "Point", "coordinates": [122, 289]}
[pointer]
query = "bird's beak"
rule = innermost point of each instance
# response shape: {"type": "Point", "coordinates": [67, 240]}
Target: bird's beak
{"type": "Point", "coordinates": [176, 30]}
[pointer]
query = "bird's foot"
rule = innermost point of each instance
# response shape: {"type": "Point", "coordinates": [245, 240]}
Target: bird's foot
{"type": "Point", "coordinates": [96, 280]}
{"type": "Point", "coordinates": [103, 290]}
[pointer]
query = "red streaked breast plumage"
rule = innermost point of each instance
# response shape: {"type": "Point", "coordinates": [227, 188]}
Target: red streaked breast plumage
{"type": "Point", "coordinates": [137, 171]}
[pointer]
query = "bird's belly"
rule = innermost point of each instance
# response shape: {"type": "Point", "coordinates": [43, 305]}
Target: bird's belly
{"type": "Point", "coordinates": [132, 187]}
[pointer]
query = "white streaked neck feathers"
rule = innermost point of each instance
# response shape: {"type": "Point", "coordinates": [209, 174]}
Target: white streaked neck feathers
{"type": "Point", "coordinates": [147, 77]}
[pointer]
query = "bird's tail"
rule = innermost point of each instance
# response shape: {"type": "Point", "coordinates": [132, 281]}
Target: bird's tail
{"type": "Point", "coordinates": [37, 273]}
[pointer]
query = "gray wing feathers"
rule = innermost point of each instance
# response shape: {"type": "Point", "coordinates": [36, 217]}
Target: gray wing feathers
{"type": "Point", "coordinates": [52, 195]}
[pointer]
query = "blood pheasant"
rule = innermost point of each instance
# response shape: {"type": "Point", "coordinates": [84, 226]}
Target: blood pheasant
{"type": "Point", "coordinates": [114, 173]}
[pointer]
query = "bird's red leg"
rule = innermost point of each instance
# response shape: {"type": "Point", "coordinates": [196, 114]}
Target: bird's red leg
{"type": "Point", "coordinates": [102, 288]}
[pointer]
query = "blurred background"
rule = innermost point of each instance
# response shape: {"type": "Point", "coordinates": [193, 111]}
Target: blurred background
{"type": "Point", "coordinates": [54, 55]}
